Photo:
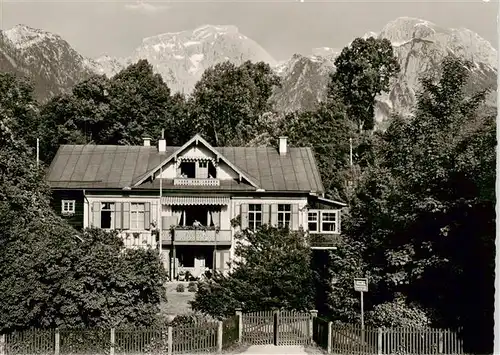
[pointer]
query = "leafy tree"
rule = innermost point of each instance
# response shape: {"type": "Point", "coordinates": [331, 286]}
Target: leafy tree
{"type": "Point", "coordinates": [228, 102]}
{"type": "Point", "coordinates": [272, 269]}
{"type": "Point", "coordinates": [328, 133]}
{"type": "Point", "coordinates": [53, 276]}
{"type": "Point", "coordinates": [363, 71]}
{"type": "Point", "coordinates": [121, 110]}
{"type": "Point", "coordinates": [19, 107]}
{"type": "Point", "coordinates": [424, 212]}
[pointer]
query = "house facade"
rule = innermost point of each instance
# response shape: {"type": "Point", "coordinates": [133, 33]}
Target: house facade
{"type": "Point", "coordinates": [184, 200]}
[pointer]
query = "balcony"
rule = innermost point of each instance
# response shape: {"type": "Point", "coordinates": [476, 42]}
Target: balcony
{"type": "Point", "coordinates": [324, 241]}
{"type": "Point", "coordinates": [197, 236]}
{"type": "Point", "coordinates": [196, 182]}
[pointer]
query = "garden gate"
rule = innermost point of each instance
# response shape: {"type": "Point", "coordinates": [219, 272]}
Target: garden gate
{"type": "Point", "coordinates": [277, 327]}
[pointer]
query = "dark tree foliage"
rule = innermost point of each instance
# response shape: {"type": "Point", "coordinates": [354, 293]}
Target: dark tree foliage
{"type": "Point", "coordinates": [122, 110]}
{"type": "Point", "coordinates": [327, 132]}
{"type": "Point", "coordinates": [424, 212]}
{"type": "Point", "coordinates": [228, 102]}
{"type": "Point", "coordinates": [363, 71]}
{"type": "Point", "coordinates": [272, 270]}
{"type": "Point", "coordinates": [52, 275]}
{"type": "Point", "coordinates": [18, 106]}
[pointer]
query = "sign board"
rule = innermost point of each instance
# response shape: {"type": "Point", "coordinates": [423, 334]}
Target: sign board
{"type": "Point", "coordinates": [361, 284]}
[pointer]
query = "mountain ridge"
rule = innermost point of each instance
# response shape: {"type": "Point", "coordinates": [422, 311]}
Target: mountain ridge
{"type": "Point", "coordinates": [181, 57]}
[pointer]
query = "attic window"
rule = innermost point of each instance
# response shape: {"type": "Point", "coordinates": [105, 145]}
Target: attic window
{"type": "Point", "coordinates": [188, 169]}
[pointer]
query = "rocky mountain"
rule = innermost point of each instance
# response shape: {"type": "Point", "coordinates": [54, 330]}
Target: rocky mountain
{"type": "Point", "coordinates": [419, 46]}
{"type": "Point", "coordinates": [182, 57]}
{"type": "Point", "coordinates": [51, 63]}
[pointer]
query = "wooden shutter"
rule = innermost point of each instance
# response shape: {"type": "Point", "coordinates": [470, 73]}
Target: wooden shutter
{"type": "Point", "coordinates": [126, 215]}
{"type": "Point", "coordinates": [96, 214]}
{"type": "Point", "coordinates": [244, 216]}
{"type": "Point", "coordinates": [118, 215]}
{"type": "Point", "coordinates": [147, 215]}
{"type": "Point", "coordinates": [265, 214]}
{"type": "Point", "coordinates": [294, 225]}
{"type": "Point", "coordinates": [274, 215]}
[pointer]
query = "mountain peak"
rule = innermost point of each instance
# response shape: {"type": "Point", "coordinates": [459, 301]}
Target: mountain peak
{"type": "Point", "coordinates": [23, 36]}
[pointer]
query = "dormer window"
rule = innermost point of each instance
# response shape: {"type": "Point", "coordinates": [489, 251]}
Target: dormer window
{"type": "Point", "coordinates": [188, 169]}
{"type": "Point", "coordinates": [197, 169]}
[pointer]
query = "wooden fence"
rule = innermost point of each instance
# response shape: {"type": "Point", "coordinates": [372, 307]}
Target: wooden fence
{"type": "Point", "coordinates": [206, 337]}
{"type": "Point", "coordinates": [352, 340]}
{"type": "Point", "coordinates": [264, 327]}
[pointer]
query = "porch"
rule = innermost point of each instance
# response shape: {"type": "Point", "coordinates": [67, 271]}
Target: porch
{"type": "Point", "coordinates": [194, 260]}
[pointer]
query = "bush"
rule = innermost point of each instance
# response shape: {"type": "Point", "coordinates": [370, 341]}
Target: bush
{"type": "Point", "coordinates": [397, 313]}
{"type": "Point", "coordinates": [192, 287]}
{"type": "Point", "coordinates": [180, 288]}
{"type": "Point", "coordinates": [275, 254]}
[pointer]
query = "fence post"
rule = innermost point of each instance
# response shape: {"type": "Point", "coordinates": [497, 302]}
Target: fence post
{"type": "Point", "coordinates": [379, 341]}
{"type": "Point", "coordinates": [441, 345]}
{"type": "Point", "coordinates": [170, 341]}
{"type": "Point", "coordinates": [276, 316]}
{"type": "Point", "coordinates": [314, 314]}
{"type": "Point", "coordinates": [240, 324]}
{"type": "Point", "coordinates": [329, 345]}
{"type": "Point", "coordinates": [2, 344]}
{"type": "Point", "coordinates": [219, 337]}
{"type": "Point", "coordinates": [57, 344]}
{"type": "Point", "coordinates": [112, 344]}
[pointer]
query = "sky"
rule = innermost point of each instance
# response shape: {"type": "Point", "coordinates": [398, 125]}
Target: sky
{"type": "Point", "coordinates": [282, 27]}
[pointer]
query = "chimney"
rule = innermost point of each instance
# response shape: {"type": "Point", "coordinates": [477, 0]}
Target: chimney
{"type": "Point", "coordinates": [162, 143]}
{"type": "Point", "coordinates": [283, 146]}
{"type": "Point", "coordinates": [147, 141]}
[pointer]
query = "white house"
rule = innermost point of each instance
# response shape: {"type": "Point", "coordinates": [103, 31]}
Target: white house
{"type": "Point", "coordinates": [191, 194]}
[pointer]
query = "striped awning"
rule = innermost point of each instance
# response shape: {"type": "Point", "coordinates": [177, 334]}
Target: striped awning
{"type": "Point", "coordinates": [195, 200]}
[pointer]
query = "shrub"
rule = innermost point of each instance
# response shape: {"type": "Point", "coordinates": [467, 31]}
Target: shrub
{"type": "Point", "coordinates": [180, 288]}
{"type": "Point", "coordinates": [397, 313]}
{"type": "Point", "coordinates": [192, 287]}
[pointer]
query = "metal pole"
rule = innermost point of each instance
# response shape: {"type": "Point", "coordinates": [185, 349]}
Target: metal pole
{"type": "Point", "coordinates": [362, 318]}
{"type": "Point", "coordinates": [160, 226]}
{"type": "Point", "coordinates": [496, 312]}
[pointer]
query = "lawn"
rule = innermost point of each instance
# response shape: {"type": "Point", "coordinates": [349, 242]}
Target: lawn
{"type": "Point", "coordinates": [177, 302]}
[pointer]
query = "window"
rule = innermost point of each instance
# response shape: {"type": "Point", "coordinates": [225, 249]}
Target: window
{"type": "Point", "coordinates": [107, 215]}
{"type": "Point", "coordinates": [137, 216]}
{"type": "Point", "coordinates": [329, 221]}
{"type": "Point", "coordinates": [68, 206]}
{"type": "Point", "coordinates": [284, 216]}
{"type": "Point", "coordinates": [254, 216]}
{"type": "Point", "coordinates": [313, 221]}
{"type": "Point", "coordinates": [203, 164]}
{"type": "Point", "coordinates": [188, 170]}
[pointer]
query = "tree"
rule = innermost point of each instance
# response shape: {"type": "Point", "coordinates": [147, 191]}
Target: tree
{"type": "Point", "coordinates": [54, 276]}
{"type": "Point", "coordinates": [363, 71]}
{"type": "Point", "coordinates": [228, 102]}
{"type": "Point", "coordinates": [328, 133]}
{"type": "Point", "coordinates": [19, 107]}
{"type": "Point", "coordinates": [272, 269]}
{"type": "Point", "coordinates": [424, 212]}
{"type": "Point", "coordinates": [135, 103]}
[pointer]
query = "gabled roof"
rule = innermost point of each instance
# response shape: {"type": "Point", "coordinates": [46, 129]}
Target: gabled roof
{"type": "Point", "coordinates": [197, 138]}
{"type": "Point", "coordinates": [117, 167]}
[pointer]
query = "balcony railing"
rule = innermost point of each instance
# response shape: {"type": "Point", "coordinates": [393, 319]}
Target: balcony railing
{"type": "Point", "coordinates": [324, 240]}
{"type": "Point", "coordinates": [197, 236]}
{"type": "Point", "coordinates": [196, 182]}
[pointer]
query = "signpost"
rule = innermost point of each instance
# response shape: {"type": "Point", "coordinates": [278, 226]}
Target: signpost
{"type": "Point", "coordinates": [361, 285]}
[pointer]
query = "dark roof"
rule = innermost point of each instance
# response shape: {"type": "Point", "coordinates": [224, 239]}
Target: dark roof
{"type": "Point", "coordinates": [112, 166]}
